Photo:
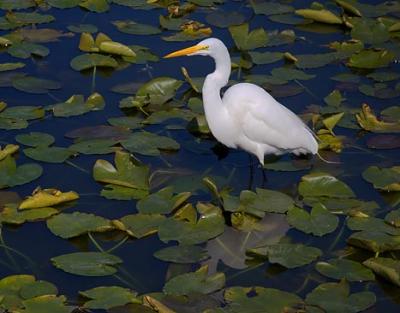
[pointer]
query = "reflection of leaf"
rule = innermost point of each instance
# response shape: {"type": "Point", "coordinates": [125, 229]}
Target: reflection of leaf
{"type": "Point", "coordinates": [195, 282]}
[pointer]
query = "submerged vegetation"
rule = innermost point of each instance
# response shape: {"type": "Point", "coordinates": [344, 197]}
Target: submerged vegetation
{"type": "Point", "coordinates": [114, 190]}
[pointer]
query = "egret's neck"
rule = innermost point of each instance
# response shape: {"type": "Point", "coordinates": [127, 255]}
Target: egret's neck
{"type": "Point", "coordinates": [217, 115]}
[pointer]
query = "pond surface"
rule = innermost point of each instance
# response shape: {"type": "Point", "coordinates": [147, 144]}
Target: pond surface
{"type": "Point", "coordinates": [112, 142]}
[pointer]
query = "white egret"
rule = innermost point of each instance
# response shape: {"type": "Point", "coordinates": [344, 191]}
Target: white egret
{"type": "Point", "coordinates": [247, 116]}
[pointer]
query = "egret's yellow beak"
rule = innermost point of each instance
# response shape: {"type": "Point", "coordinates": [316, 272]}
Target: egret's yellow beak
{"type": "Point", "coordinates": [186, 51]}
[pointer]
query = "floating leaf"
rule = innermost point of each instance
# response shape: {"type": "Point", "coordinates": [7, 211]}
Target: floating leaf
{"type": "Point", "coordinates": [288, 254]}
{"type": "Point", "coordinates": [370, 31]}
{"type": "Point", "coordinates": [321, 184]}
{"type": "Point", "coordinates": [76, 105]}
{"type": "Point", "coordinates": [368, 223]}
{"type": "Point", "coordinates": [393, 218]}
{"type": "Point", "coordinates": [63, 4]}
{"type": "Point", "coordinates": [87, 263]}
{"type": "Point", "coordinates": [38, 288]}
{"type": "Point", "coordinates": [71, 225]}
{"type": "Point", "coordinates": [140, 225]}
{"type": "Point", "coordinates": [273, 8]}
{"type": "Point", "coordinates": [147, 143]}
{"type": "Point", "coordinates": [323, 16]}
{"type": "Point", "coordinates": [257, 299]}
{"type": "Point", "coordinates": [108, 297]}
{"type": "Point", "coordinates": [319, 222]}
{"type": "Point", "coordinates": [46, 304]}
{"type": "Point", "coordinates": [11, 175]}
{"type": "Point", "coordinates": [245, 40]}
{"type": "Point", "coordinates": [210, 225]}
{"type": "Point", "coordinates": [98, 6]}
{"type": "Point", "coordinates": [336, 297]}
{"type": "Point", "coordinates": [225, 19]}
{"type": "Point", "coordinates": [48, 154]}
{"type": "Point", "coordinates": [195, 282]}
{"type": "Point", "coordinates": [11, 66]}
{"type": "Point", "coordinates": [368, 121]}
{"type": "Point", "coordinates": [25, 50]}
{"type": "Point", "coordinates": [343, 268]}
{"type": "Point", "coordinates": [371, 59]}
{"type": "Point", "coordinates": [161, 202]}
{"type": "Point", "coordinates": [94, 146]}
{"type": "Point", "coordinates": [11, 215]}
{"type": "Point", "coordinates": [265, 57]}
{"type": "Point", "coordinates": [386, 268]}
{"type": "Point", "coordinates": [35, 85]}
{"type": "Point", "coordinates": [8, 150]}
{"type": "Point", "coordinates": [35, 139]}
{"type": "Point", "coordinates": [387, 179]}
{"type": "Point", "coordinates": [46, 198]}
{"type": "Point", "coordinates": [158, 90]}
{"type": "Point", "coordinates": [374, 241]}
{"type": "Point", "coordinates": [23, 112]}
{"type": "Point", "coordinates": [86, 61]}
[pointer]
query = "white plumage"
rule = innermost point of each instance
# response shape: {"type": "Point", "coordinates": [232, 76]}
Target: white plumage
{"type": "Point", "coordinates": [247, 116]}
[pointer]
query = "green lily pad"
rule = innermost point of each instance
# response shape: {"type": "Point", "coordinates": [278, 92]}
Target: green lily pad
{"type": "Point", "coordinates": [147, 143]}
{"type": "Point", "coordinates": [371, 59]}
{"type": "Point", "coordinates": [63, 4]}
{"type": "Point", "coordinates": [116, 192]}
{"type": "Point", "coordinates": [158, 90]}
{"type": "Point", "coordinates": [35, 139]}
{"type": "Point", "coordinates": [76, 105]}
{"type": "Point", "coordinates": [182, 254]}
{"type": "Point", "coordinates": [128, 122]}
{"type": "Point", "coordinates": [46, 304]}
{"type": "Point", "coordinates": [277, 38]}
{"type": "Point", "coordinates": [140, 225]}
{"type": "Point", "coordinates": [393, 218]}
{"type": "Point", "coordinates": [274, 8]}
{"type": "Point", "coordinates": [87, 263]}
{"type": "Point", "coordinates": [387, 179]}
{"type": "Point", "coordinates": [10, 287]}
{"type": "Point", "coordinates": [23, 112]}
{"type": "Point", "coordinates": [257, 299]}
{"type": "Point", "coordinates": [379, 90]}
{"type": "Point", "coordinates": [265, 57]}
{"type": "Point", "coordinates": [374, 241]}
{"type": "Point", "coordinates": [90, 60]}
{"type": "Point", "coordinates": [172, 23]}
{"type": "Point", "coordinates": [11, 215]}
{"type": "Point", "coordinates": [321, 184]}
{"type": "Point", "coordinates": [67, 225]}
{"type": "Point", "coordinates": [37, 288]}
{"type": "Point", "coordinates": [82, 28]}
{"type": "Point", "coordinates": [385, 267]}
{"type": "Point", "coordinates": [133, 28]}
{"type": "Point", "coordinates": [11, 175]}
{"type": "Point", "coordinates": [161, 202]}
{"type": "Point", "coordinates": [210, 225]}
{"type": "Point", "coordinates": [322, 16]}
{"type": "Point", "coordinates": [286, 73]}
{"type": "Point", "coordinates": [384, 76]}
{"type": "Point", "coordinates": [195, 282]}
{"type": "Point", "coordinates": [336, 298]}
{"type": "Point", "coordinates": [343, 268]}
{"type": "Point", "coordinates": [372, 223]}
{"type": "Point", "coordinates": [48, 154]}
{"type": "Point", "coordinates": [316, 60]}
{"type": "Point", "coordinates": [108, 297]}
{"type": "Point", "coordinates": [143, 55]}
{"type": "Point", "coordinates": [370, 31]}
{"type": "Point", "coordinates": [245, 40]}
{"type": "Point", "coordinates": [126, 173]}
{"type": "Point", "coordinates": [98, 6]}
{"type": "Point", "coordinates": [319, 222]}
{"type": "Point", "coordinates": [16, 4]}
{"type": "Point", "coordinates": [31, 84]}
{"type": "Point", "coordinates": [11, 66]}
{"type": "Point", "coordinates": [288, 254]}
{"type": "Point", "coordinates": [25, 50]}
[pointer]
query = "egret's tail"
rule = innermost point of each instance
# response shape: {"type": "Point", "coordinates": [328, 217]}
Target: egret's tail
{"type": "Point", "coordinates": [326, 161]}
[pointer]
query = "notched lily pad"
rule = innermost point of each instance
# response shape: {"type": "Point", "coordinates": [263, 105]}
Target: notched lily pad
{"type": "Point", "coordinates": [343, 268]}
{"type": "Point", "coordinates": [107, 297]}
{"type": "Point", "coordinates": [47, 197]}
{"type": "Point", "coordinates": [387, 268]}
{"type": "Point", "coordinates": [182, 254]}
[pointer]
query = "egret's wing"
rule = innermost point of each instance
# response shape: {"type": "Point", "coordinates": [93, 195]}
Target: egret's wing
{"type": "Point", "coordinates": [266, 121]}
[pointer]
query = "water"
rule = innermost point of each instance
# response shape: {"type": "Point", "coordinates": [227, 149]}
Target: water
{"type": "Point", "coordinates": [140, 270]}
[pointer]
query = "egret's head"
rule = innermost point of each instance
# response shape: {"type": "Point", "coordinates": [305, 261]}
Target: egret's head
{"type": "Point", "coordinates": [209, 46]}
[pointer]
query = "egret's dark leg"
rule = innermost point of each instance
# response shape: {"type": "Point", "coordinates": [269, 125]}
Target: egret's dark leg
{"type": "Point", "coordinates": [251, 174]}
{"type": "Point", "coordinates": [264, 176]}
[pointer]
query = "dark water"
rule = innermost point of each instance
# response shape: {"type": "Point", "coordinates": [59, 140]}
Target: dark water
{"type": "Point", "coordinates": [140, 269]}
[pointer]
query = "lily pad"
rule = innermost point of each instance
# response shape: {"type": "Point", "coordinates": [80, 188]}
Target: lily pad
{"type": "Point", "coordinates": [108, 297]}
{"type": "Point", "coordinates": [67, 225]}
{"type": "Point", "coordinates": [195, 282]}
{"type": "Point", "coordinates": [343, 268]}
{"type": "Point", "coordinates": [98, 6]}
{"type": "Point", "coordinates": [87, 263]}
{"type": "Point", "coordinates": [387, 179]}
{"type": "Point", "coordinates": [385, 267]}
{"type": "Point", "coordinates": [324, 185]}
{"type": "Point", "coordinates": [90, 60]}
{"type": "Point", "coordinates": [46, 303]}
{"type": "Point", "coordinates": [76, 105]}
{"type": "Point", "coordinates": [372, 223]}
{"type": "Point", "coordinates": [336, 298]}
{"type": "Point", "coordinates": [182, 254]}
{"type": "Point", "coordinates": [374, 241]}
{"type": "Point", "coordinates": [246, 40]}
{"type": "Point", "coordinates": [319, 222]}
{"type": "Point", "coordinates": [25, 50]}
{"type": "Point", "coordinates": [31, 84]}
{"type": "Point", "coordinates": [35, 139]}
{"type": "Point", "coordinates": [161, 202]}
{"type": "Point", "coordinates": [11, 175]}
{"type": "Point", "coordinates": [140, 225]}
{"type": "Point", "coordinates": [133, 28]}
{"type": "Point", "coordinates": [225, 19]}
{"type": "Point", "coordinates": [47, 197]}
{"type": "Point", "coordinates": [371, 59]}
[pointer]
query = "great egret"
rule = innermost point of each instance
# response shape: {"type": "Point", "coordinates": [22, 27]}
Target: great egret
{"type": "Point", "coordinates": [247, 116]}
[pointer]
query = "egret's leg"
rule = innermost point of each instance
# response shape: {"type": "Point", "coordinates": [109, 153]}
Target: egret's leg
{"type": "Point", "coordinates": [264, 176]}
{"type": "Point", "coordinates": [251, 174]}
